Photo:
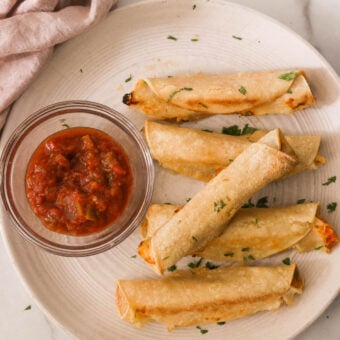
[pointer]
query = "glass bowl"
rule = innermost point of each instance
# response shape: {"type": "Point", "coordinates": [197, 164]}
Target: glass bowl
{"type": "Point", "coordinates": [47, 121]}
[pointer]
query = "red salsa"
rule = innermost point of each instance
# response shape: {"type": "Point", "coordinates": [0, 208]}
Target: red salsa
{"type": "Point", "coordinates": [78, 181]}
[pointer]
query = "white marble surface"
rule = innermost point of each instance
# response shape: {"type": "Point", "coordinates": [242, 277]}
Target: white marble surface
{"type": "Point", "coordinates": [318, 21]}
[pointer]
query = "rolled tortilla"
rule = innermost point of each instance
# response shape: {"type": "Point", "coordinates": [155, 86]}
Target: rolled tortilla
{"type": "Point", "coordinates": [256, 233]}
{"type": "Point", "coordinates": [201, 155]}
{"type": "Point", "coordinates": [201, 296]}
{"type": "Point", "coordinates": [196, 96]}
{"type": "Point", "coordinates": [207, 214]}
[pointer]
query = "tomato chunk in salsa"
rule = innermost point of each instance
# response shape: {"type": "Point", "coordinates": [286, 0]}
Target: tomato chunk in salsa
{"type": "Point", "coordinates": [78, 181]}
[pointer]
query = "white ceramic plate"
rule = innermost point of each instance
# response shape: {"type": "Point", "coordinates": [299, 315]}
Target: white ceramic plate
{"type": "Point", "coordinates": [79, 293]}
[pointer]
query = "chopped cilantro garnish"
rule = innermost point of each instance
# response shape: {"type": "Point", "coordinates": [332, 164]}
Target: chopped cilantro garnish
{"type": "Point", "coordinates": [229, 254]}
{"type": "Point", "coordinates": [319, 247]}
{"type": "Point", "coordinates": [219, 205]}
{"type": "Point", "coordinates": [202, 330]}
{"type": "Point", "coordinates": [203, 105]}
{"type": "Point", "coordinates": [234, 130]}
{"type": "Point", "coordinates": [242, 90]}
{"type": "Point", "coordinates": [194, 6]}
{"type": "Point", "coordinates": [245, 249]}
{"type": "Point", "coordinates": [134, 256]}
{"type": "Point", "coordinates": [249, 204]}
{"type": "Point", "coordinates": [195, 264]}
{"type": "Point", "coordinates": [301, 201]}
{"type": "Point", "coordinates": [286, 261]}
{"type": "Point", "coordinates": [165, 258]}
{"type": "Point", "coordinates": [194, 39]}
{"type": "Point", "coordinates": [249, 257]}
{"type": "Point", "coordinates": [210, 265]}
{"type": "Point", "coordinates": [288, 76]}
{"type": "Point", "coordinates": [171, 37]}
{"type": "Point", "coordinates": [28, 307]}
{"type": "Point", "coordinates": [128, 79]}
{"type": "Point", "coordinates": [290, 91]}
{"type": "Point", "coordinates": [221, 323]}
{"type": "Point", "coordinates": [172, 268]}
{"type": "Point", "coordinates": [66, 126]}
{"type": "Point", "coordinates": [236, 37]}
{"type": "Point", "coordinates": [262, 202]}
{"type": "Point", "coordinates": [177, 91]}
{"type": "Point", "coordinates": [332, 206]}
{"type": "Point", "coordinates": [188, 199]}
{"type": "Point", "coordinates": [330, 180]}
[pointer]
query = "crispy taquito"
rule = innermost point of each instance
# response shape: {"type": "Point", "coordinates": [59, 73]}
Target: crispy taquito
{"type": "Point", "coordinates": [201, 296]}
{"type": "Point", "coordinates": [200, 95]}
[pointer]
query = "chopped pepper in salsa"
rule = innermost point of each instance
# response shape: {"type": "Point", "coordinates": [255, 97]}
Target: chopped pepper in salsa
{"type": "Point", "coordinates": [78, 181]}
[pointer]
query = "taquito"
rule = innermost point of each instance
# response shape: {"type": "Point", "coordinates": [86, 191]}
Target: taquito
{"type": "Point", "coordinates": [207, 214]}
{"type": "Point", "coordinates": [201, 296]}
{"type": "Point", "coordinates": [256, 233]}
{"type": "Point", "coordinates": [201, 155]}
{"type": "Point", "coordinates": [200, 95]}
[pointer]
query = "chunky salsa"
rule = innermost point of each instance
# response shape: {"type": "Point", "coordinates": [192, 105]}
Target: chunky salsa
{"type": "Point", "coordinates": [78, 181]}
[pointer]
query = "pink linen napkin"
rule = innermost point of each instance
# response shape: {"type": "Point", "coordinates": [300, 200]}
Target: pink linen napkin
{"type": "Point", "coordinates": [29, 29]}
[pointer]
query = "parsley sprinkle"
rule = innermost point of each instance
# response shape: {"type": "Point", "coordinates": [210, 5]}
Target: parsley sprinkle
{"type": "Point", "coordinates": [290, 91]}
{"type": "Point", "coordinates": [288, 76]}
{"type": "Point", "coordinates": [245, 249]}
{"type": "Point", "coordinates": [229, 254]}
{"type": "Point", "coordinates": [194, 238]}
{"type": "Point", "coordinates": [249, 204]}
{"type": "Point", "coordinates": [219, 205]}
{"type": "Point", "coordinates": [236, 37]}
{"type": "Point", "coordinates": [234, 130]}
{"type": "Point", "coordinates": [172, 268]}
{"type": "Point", "coordinates": [221, 323]}
{"type": "Point", "coordinates": [203, 105]}
{"type": "Point", "coordinates": [165, 258]}
{"type": "Point", "coordinates": [28, 307]}
{"type": "Point", "coordinates": [301, 201]}
{"type": "Point", "coordinates": [210, 265]}
{"type": "Point", "coordinates": [193, 7]}
{"type": "Point", "coordinates": [195, 264]}
{"type": "Point", "coordinates": [330, 180]}
{"type": "Point", "coordinates": [171, 37]}
{"type": "Point", "coordinates": [242, 90]}
{"type": "Point", "coordinates": [262, 202]}
{"type": "Point", "coordinates": [177, 91]}
{"type": "Point", "coordinates": [188, 199]}
{"type": "Point", "coordinates": [128, 79]}
{"type": "Point", "coordinates": [319, 247]}
{"type": "Point", "coordinates": [286, 261]}
{"type": "Point", "coordinates": [66, 126]}
{"type": "Point", "coordinates": [202, 330]}
{"type": "Point", "coordinates": [249, 257]}
{"type": "Point", "coordinates": [134, 256]}
{"type": "Point", "coordinates": [194, 39]}
{"type": "Point", "coordinates": [248, 130]}
{"type": "Point", "coordinates": [331, 206]}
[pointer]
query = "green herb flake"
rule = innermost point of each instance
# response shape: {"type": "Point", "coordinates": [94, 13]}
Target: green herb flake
{"type": "Point", "coordinates": [133, 256]}
{"type": "Point", "coordinates": [210, 265]}
{"type": "Point", "coordinates": [231, 254]}
{"type": "Point", "coordinates": [194, 238]}
{"type": "Point", "coordinates": [288, 76]}
{"type": "Point", "coordinates": [165, 258]}
{"type": "Point", "coordinates": [331, 206]}
{"type": "Point", "coordinates": [221, 323]}
{"type": "Point", "coordinates": [195, 264]}
{"type": "Point", "coordinates": [188, 199]}
{"type": "Point", "coordinates": [194, 7]}
{"type": "Point", "coordinates": [28, 307]}
{"type": "Point", "coordinates": [177, 91]}
{"type": "Point", "coordinates": [194, 39]}
{"type": "Point", "coordinates": [219, 205]}
{"type": "Point", "coordinates": [290, 91]}
{"type": "Point", "coordinates": [330, 180]}
{"type": "Point", "coordinates": [232, 130]}
{"type": "Point", "coordinates": [171, 37]}
{"type": "Point", "coordinates": [248, 130]}
{"type": "Point", "coordinates": [301, 201]}
{"type": "Point", "coordinates": [245, 249]}
{"type": "Point", "coordinates": [202, 330]}
{"type": "Point", "coordinates": [203, 105]}
{"type": "Point", "coordinates": [172, 268]}
{"type": "Point", "coordinates": [286, 261]}
{"type": "Point", "coordinates": [249, 204]}
{"type": "Point", "coordinates": [242, 90]}
{"type": "Point", "coordinates": [128, 79]}
{"type": "Point", "coordinates": [207, 130]}
{"type": "Point", "coordinates": [262, 202]}
{"type": "Point", "coordinates": [319, 247]}
{"type": "Point", "coordinates": [249, 257]}
{"type": "Point", "coordinates": [236, 37]}
{"type": "Point", "coordinates": [66, 126]}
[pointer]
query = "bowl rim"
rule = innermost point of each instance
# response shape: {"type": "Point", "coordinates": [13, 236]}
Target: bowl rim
{"type": "Point", "coordinates": [44, 114]}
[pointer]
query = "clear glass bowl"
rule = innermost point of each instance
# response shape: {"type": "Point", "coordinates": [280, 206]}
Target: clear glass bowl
{"type": "Point", "coordinates": [26, 138]}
